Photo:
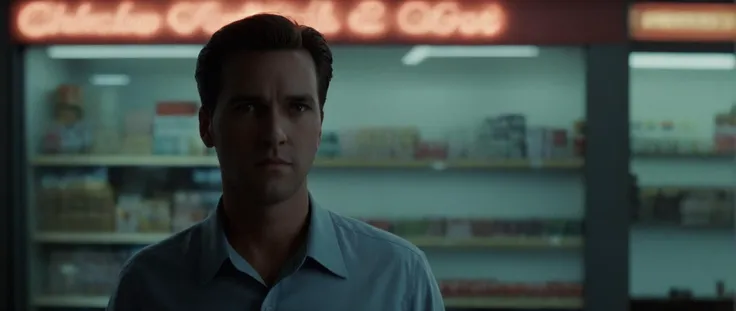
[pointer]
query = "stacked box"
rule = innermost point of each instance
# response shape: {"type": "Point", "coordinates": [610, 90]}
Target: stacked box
{"type": "Point", "coordinates": [725, 134]}
{"type": "Point", "coordinates": [138, 132]}
{"type": "Point", "coordinates": [176, 129]}
{"type": "Point", "coordinates": [83, 272]}
{"type": "Point", "coordinates": [78, 207]}
{"type": "Point", "coordinates": [502, 137]}
{"type": "Point", "coordinates": [67, 131]}
{"type": "Point", "coordinates": [379, 143]}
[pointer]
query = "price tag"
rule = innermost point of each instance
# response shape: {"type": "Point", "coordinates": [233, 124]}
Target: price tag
{"type": "Point", "coordinates": [556, 241]}
{"type": "Point", "coordinates": [536, 162]}
{"type": "Point", "coordinates": [439, 165]}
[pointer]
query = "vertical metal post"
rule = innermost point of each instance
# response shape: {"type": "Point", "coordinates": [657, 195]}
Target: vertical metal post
{"type": "Point", "coordinates": [13, 234]}
{"type": "Point", "coordinates": [5, 245]}
{"type": "Point", "coordinates": [607, 200]}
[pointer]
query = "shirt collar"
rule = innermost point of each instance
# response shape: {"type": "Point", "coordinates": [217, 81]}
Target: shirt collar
{"type": "Point", "coordinates": [323, 245]}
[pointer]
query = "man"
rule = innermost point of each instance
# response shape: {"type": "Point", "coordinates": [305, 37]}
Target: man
{"type": "Point", "coordinates": [263, 83]}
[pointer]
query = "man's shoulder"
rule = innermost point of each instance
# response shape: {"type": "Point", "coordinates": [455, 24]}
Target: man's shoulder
{"type": "Point", "coordinates": [171, 254]}
{"type": "Point", "coordinates": [361, 235]}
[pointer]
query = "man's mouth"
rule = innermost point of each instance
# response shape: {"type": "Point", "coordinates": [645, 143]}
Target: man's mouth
{"type": "Point", "coordinates": [273, 162]}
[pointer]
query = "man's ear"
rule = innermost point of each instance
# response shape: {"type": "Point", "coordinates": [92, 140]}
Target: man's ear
{"type": "Point", "coordinates": [321, 118]}
{"type": "Point", "coordinates": [205, 127]}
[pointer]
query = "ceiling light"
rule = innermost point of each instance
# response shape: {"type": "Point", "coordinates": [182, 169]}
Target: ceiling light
{"type": "Point", "coordinates": [682, 61]}
{"type": "Point", "coordinates": [109, 80]}
{"type": "Point", "coordinates": [420, 53]}
{"type": "Point", "coordinates": [122, 51]}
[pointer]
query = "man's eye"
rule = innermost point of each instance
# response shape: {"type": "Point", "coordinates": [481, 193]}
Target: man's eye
{"type": "Point", "coordinates": [247, 107]}
{"type": "Point", "coordinates": [299, 107]}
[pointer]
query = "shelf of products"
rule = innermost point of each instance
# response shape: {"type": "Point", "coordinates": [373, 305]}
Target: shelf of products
{"type": "Point", "coordinates": [85, 277]}
{"type": "Point", "coordinates": [705, 155]}
{"type": "Point", "coordinates": [67, 301]}
{"type": "Point", "coordinates": [498, 242]}
{"type": "Point", "coordinates": [166, 134]}
{"type": "Point", "coordinates": [473, 302]}
{"type": "Point", "coordinates": [78, 271]}
{"type": "Point", "coordinates": [668, 138]}
{"type": "Point", "coordinates": [436, 232]}
{"type": "Point", "coordinates": [99, 238]}
{"type": "Point", "coordinates": [515, 303]}
{"type": "Point", "coordinates": [98, 202]}
{"type": "Point", "coordinates": [460, 293]}
{"type": "Point", "coordinates": [211, 161]}
{"type": "Point", "coordinates": [110, 179]}
{"type": "Point", "coordinates": [690, 207]}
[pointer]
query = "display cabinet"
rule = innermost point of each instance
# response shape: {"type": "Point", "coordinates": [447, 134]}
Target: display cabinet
{"type": "Point", "coordinates": [683, 108]}
{"type": "Point", "coordinates": [460, 156]}
{"type": "Point", "coordinates": [480, 148]}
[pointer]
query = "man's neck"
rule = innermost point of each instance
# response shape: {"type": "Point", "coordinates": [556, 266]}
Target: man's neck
{"type": "Point", "coordinates": [273, 225]}
{"type": "Point", "coordinates": [266, 235]}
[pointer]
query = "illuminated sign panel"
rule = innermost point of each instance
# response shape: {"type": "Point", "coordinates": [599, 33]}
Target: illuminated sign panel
{"type": "Point", "coordinates": [342, 21]}
{"type": "Point", "coordinates": [683, 22]}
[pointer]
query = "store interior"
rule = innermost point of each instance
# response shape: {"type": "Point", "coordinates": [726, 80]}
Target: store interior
{"type": "Point", "coordinates": [477, 160]}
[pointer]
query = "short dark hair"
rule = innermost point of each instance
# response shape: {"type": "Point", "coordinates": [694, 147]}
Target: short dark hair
{"type": "Point", "coordinates": [260, 32]}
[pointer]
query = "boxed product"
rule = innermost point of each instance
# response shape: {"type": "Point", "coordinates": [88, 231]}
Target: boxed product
{"type": "Point", "coordinates": [137, 144]}
{"type": "Point", "coordinates": [137, 132]}
{"type": "Point", "coordinates": [176, 129]}
{"type": "Point", "coordinates": [138, 122]}
{"type": "Point", "coordinates": [560, 228]}
{"type": "Point", "coordinates": [696, 207]}
{"type": "Point", "coordinates": [83, 272]}
{"type": "Point", "coordinates": [67, 131]}
{"type": "Point", "coordinates": [329, 147]}
{"type": "Point", "coordinates": [459, 144]}
{"type": "Point", "coordinates": [385, 225]}
{"type": "Point", "coordinates": [136, 214]}
{"type": "Point", "coordinates": [127, 213]}
{"type": "Point", "coordinates": [725, 133]}
{"type": "Point", "coordinates": [545, 142]}
{"type": "Point", "coordinates": [188, 209]}
{"type": "Point", "coordinates": [106, 141]}
{"type": "Point", "coordinates": [380, 143]}
{"type": "Point", "coordinates": [495, 288]}
{"type": "Point", "coordinates": [419, 227]}
{"type": "Point", "coordinates": [431, 151]}
{"type": "Point", "coordinates": [502, 136]}
{"type": "Point", "coordinates": [459, 228]}
{"type": "Point", "coordinates": [155, 216]}
{"type": "Point", "coordinates": [79, 205]}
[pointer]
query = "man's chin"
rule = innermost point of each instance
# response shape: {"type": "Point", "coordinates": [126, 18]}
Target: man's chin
{"type": "Point", "coordinates": [272, 192]}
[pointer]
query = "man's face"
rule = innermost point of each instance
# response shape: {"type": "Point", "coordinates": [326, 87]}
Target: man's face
{"type": "Point", "coordinates": [267, 125]}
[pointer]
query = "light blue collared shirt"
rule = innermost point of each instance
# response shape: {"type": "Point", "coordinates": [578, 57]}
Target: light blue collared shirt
{"type": "Point", "coordinates": [346, 265]}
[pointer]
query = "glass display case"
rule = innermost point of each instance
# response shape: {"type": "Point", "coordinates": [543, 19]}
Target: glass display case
{"type": "Point", "coordinates": [683, 104]}
{"type": "Point", "coordinates": [477, 160]}
{"type": "Point", "coordinates": [683, 121]}
{"type": "Point", "coordinates": [475, 148]}
{"type": "Point", "coordinates": [682, 128]}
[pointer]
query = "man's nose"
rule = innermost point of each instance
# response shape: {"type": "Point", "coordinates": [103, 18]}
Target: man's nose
{"type": "Point", "coordinates": [274, 131]}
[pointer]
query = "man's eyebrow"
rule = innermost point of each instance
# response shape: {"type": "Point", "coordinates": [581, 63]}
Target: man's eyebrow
{"type": "Point", "coordinates": [300, 98]}
{"type": "Point", "coordinates": [304, 98]}
{"type": "Point", "coordinates": [245, 98]}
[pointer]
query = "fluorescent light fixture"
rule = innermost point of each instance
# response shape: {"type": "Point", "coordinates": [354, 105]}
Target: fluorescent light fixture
{"type": "Point", "coordinates": [420, 53]}
{"type": "Point", "coordinates": [682, 61]}
{"type": "Point", "coordinates": [122, 51]}
{"type": "Point", "coordinates": [109, 80]}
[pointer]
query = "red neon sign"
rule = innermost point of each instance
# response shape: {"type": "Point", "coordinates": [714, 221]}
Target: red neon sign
{"type": "Point", "coordinates": [57, 21]}
{"type": "Point", "coordinates": [683, 22]}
